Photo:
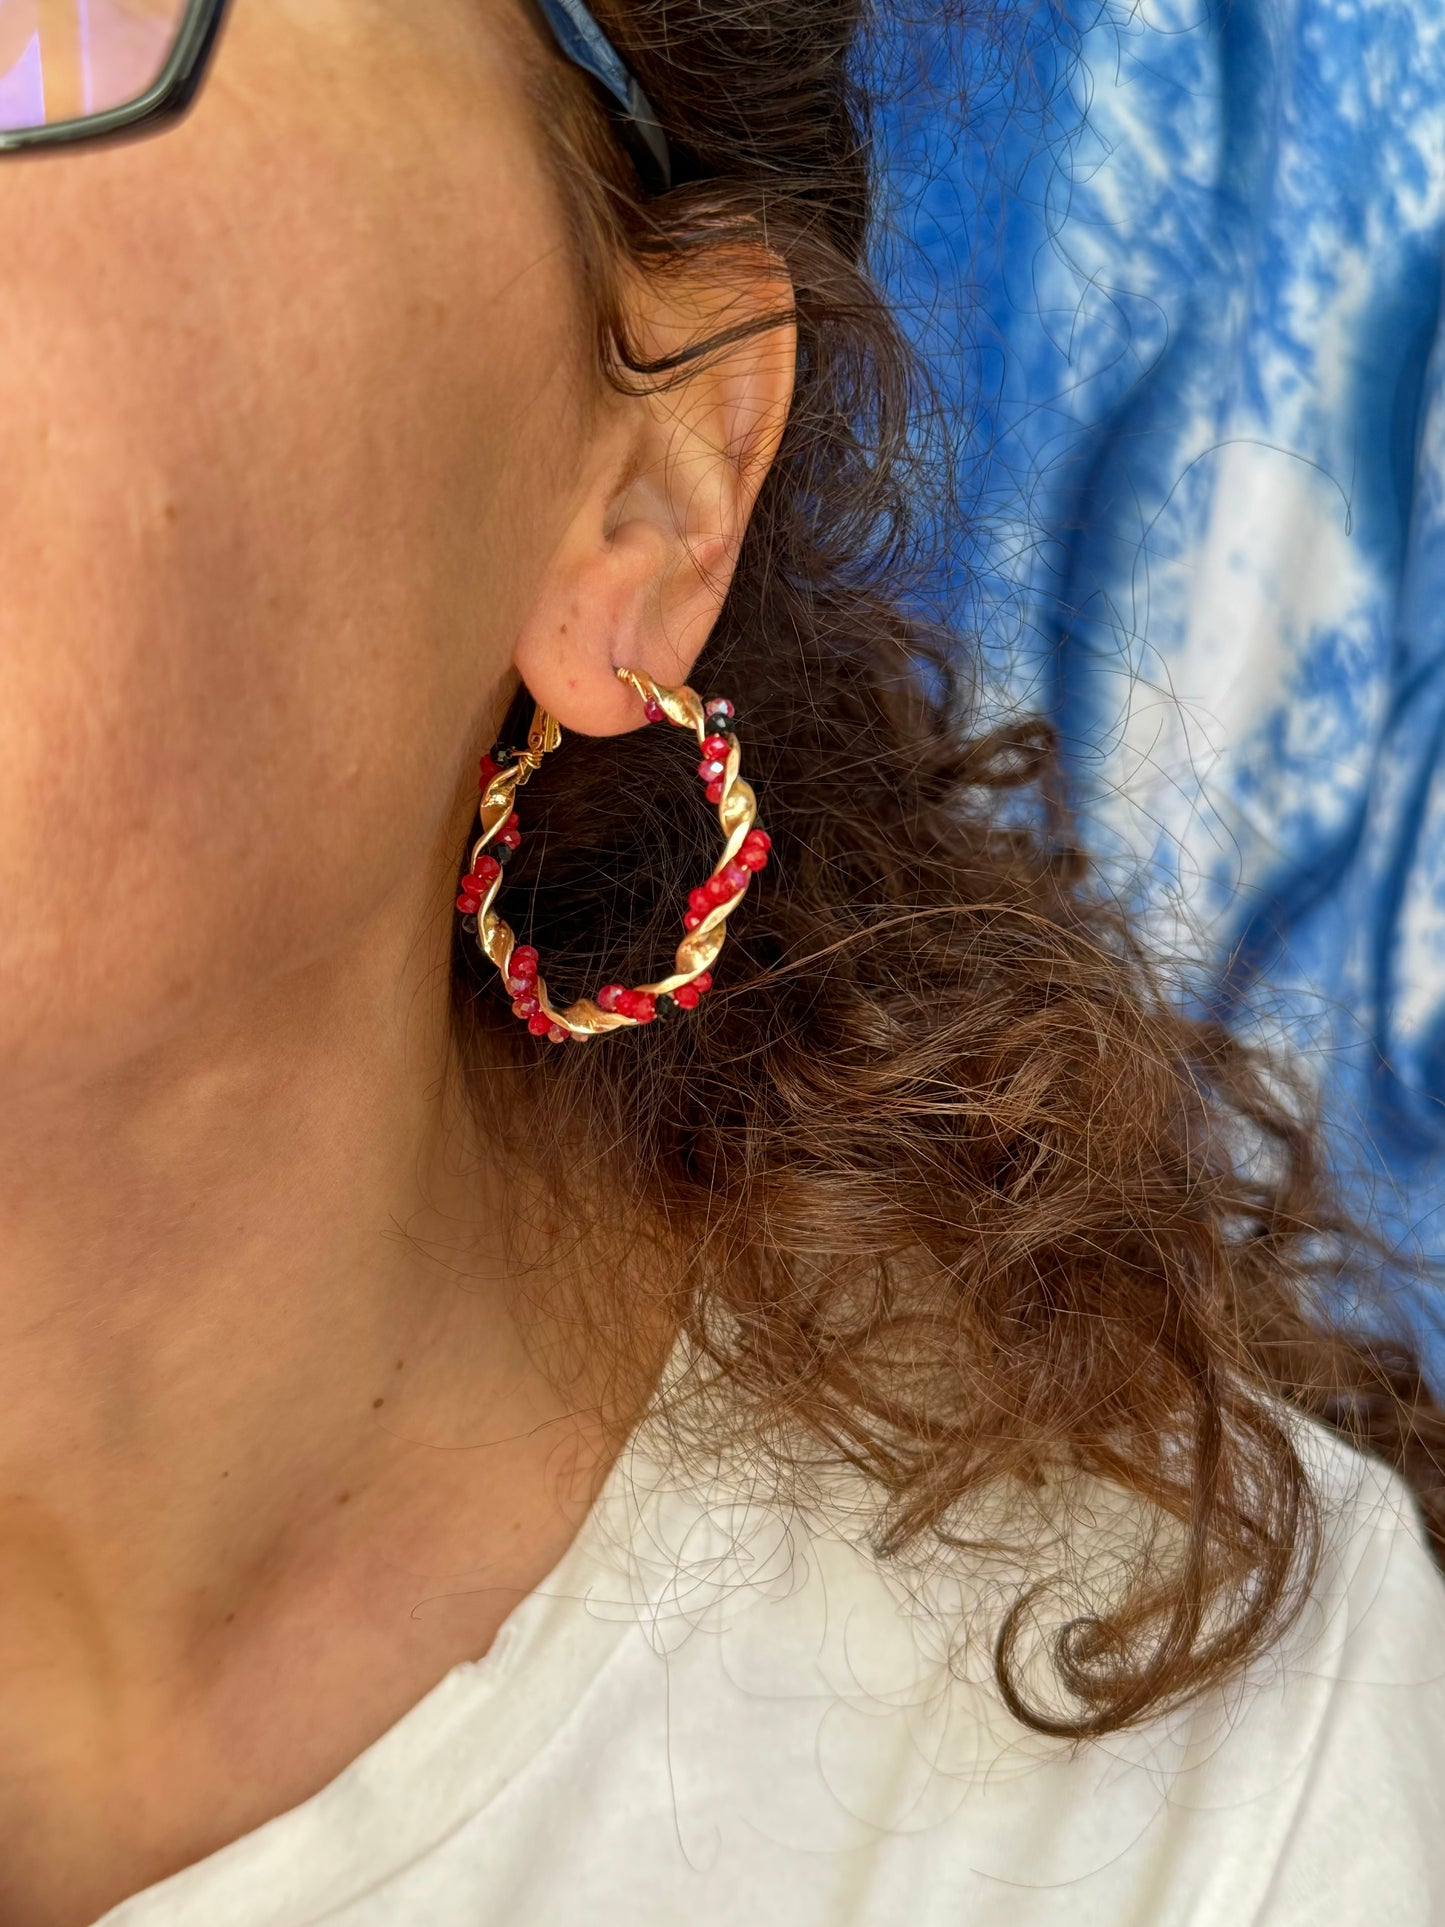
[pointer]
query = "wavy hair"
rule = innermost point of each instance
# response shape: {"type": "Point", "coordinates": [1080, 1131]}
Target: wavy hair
{"type": "Point", "coordinates": [943, 1181]}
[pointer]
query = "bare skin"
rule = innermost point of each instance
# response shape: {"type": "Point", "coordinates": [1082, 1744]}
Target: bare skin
{"type": "Point", "coordinates": [294, 483]}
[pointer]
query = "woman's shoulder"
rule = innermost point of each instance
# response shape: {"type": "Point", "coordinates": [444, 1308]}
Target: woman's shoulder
{"type": "Point", "coordinates": [732, 1707]}
{"type": "Point", "coordinates": [717, 1547]}
{"type": "Point", "coordinates": [1309, 1782]}
{"type": "Point", "coordinates": [1376, 1582]}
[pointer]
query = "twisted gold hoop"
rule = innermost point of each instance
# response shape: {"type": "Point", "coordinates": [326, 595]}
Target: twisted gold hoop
{"type": "Point", "coordinates": [745, 853]}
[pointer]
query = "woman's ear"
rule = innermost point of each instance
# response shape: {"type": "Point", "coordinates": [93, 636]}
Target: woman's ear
{"type": "Point", "coordinates": [678, 457]}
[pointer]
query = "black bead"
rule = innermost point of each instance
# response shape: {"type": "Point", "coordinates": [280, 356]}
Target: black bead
{"type": "Point", "coordinates": [501, 755]}
{"type": "Point", "coordinates": [503, 853]}
{"type": "Point", "coordinates": [663, 1005]}
{"type": "Point", "coordinates": [469, 924]}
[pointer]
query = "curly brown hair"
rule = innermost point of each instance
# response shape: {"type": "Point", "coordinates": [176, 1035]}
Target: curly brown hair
{"type": "Point", "coordinates": [948, 1184]}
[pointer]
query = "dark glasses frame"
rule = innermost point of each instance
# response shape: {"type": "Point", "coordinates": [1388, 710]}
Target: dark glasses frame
{"type": "Point", "coordinates": [164, 100]}
{"type": "Point", "coordinates": [577, 33]}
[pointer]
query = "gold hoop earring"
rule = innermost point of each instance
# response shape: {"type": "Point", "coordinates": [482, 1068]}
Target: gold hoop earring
{"type": "Point", "coordinates": [745, 853]}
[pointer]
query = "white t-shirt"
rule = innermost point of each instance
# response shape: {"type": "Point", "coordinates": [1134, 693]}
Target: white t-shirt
{"type": "Point", "coordinates": [713, 1713]}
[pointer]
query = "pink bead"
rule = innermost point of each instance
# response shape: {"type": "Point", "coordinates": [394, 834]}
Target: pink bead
{"type": "Point", "coordinates": [718, 706]}
{"type": "Point", "coordinates": [702, 982]}
{"type": "Point", "coordinates": [717, 748]}
{"type": "Point", "coordinates": [525, 1007]}
{"type": "Point", "coordinates": [718, 891]}
{"type": "Point", "coordinates": [714, 792]}
{"type": "Point", "coordinates": [693, 920]}
{"type": "Point", "coordinates": [752, 858]}
{"type": "Point", "coordinates": [520, 986]}
{"type": "Point", "coordinates": [539, 1023]}
{"type": "Point", "coordinates": [556, 1035]}
{"type": "Point", "coordinates": [686, 997]}
{"type": "Point", "coordinates": [609, 998]}
{"type": "Point", "coordinates": [468, 904]}
{"type": "Point", "coordinates": [711, 770]}
{"type": "Point", "coordinates": [736, 875]}
{"type": "Point", "coordinates": [653, 710]}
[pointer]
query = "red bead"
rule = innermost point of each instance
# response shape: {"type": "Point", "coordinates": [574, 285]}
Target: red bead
{"type": "Point", "coordinates": [736, 875]}
{"type": "Point", "coordinates": [489, 770]}
{"type": "Point", "coordinates": [521, 986]}
{"type": "Point", "coordinates": [702, 982]}
{"type": "Point", "coordinates": [717, 747]}
{"type": "Point", "coordinates": [686, 997]}
{"type": "Point", "coordinates": [468, 904]}
{"type": "Point", "coordinates": [711, 770]}
{"type": "Point", "coordinates": [718, 891]}
{"type": "Point", "coordinates": [699, 900]}
{"type": "Point", "coordinates": [609, 998]}
{"type": "Point", "coordinates": [714, 792]}
{"type": "Point", "coordinates": [472, 885]}
{"type": "Point", "coordinates": [556, 1035]}
{"type": "Point", "coordinates": [539, 1023]}
{"type": "Point", "coordinates": [524, 957]}
{"type": "Point", "coordinates": [760, 838]}
{"type": "Point", "coordinates": [511, 839]}
{"type": "Point", "coordinates": [486, 869]}
{"type": "Point", "coordinates": [653, 710]}
{"type": "Point", "coordinates": [693, 920]}
{"type": "Point", "coordinates": [643, 1007]}
{"type": "Point", "coordinates": [718, 706]}
{"type": "Point", "coordinates": [513, 822]}
{"type": "Point", "coordinates": [525, 1006]}
{"type": "Point", "coordinates": [752, 858]}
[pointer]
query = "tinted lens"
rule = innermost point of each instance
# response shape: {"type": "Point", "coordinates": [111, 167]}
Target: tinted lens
{"type": "Point", "coordinates": [64, 59]}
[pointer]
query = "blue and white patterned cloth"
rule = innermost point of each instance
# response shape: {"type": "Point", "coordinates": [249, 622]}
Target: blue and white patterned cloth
{"type": "Point", "coordinates": [1183, 273]}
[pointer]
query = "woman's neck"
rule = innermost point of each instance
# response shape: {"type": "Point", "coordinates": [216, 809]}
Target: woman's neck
{"type": "Point", "coordinates": [272, 1448]}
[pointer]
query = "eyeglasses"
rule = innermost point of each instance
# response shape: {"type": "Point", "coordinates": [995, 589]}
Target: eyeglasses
{"type": "Point", "coordinates": [88, 70]}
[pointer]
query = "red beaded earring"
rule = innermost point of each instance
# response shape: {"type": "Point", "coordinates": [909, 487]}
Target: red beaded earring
{"type": "Point", "coordinates": [745, 852]}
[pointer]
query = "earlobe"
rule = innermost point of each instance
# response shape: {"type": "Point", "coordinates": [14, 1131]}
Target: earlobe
{"type": "Point", "coordinates": [648, 555]}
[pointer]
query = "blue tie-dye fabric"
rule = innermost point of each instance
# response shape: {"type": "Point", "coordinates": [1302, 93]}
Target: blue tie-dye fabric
{"type": "Point", "coordinates": [1183, 275]}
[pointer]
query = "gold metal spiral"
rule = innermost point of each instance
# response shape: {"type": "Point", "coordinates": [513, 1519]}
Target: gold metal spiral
{"type": "Point", "coordinates": [737, 811]}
